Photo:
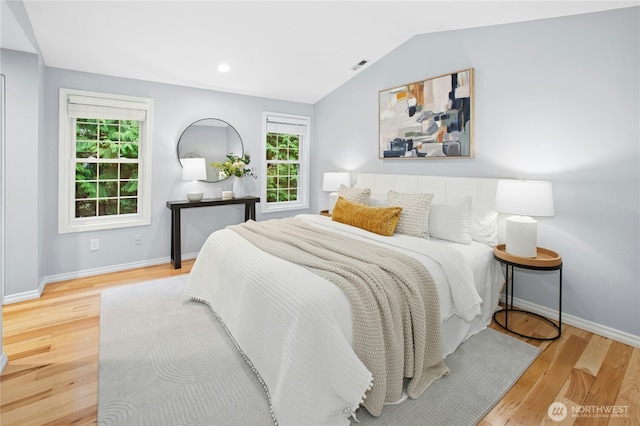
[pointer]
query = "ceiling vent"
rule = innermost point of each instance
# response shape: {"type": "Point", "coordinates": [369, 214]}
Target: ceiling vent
{"type": "Point", "coordinates": [359, 64]}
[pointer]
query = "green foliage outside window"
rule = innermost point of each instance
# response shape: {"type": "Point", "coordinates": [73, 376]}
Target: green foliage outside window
{"type": "Point", "coordinates": [106, 167]}
{"type": "Point", "coordinates": [283, 167]}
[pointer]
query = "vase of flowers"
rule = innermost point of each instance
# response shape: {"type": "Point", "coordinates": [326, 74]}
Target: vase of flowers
{"type": "Point", "coordinates": [236, 168]}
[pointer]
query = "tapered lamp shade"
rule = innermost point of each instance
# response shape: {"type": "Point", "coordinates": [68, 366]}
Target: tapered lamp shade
{"type": "Point", "coordinates": [331, 182]}
{"type": "Point", "coordinates": [523, 199]}
{"type": "Point", "coordinates": [194, 169]}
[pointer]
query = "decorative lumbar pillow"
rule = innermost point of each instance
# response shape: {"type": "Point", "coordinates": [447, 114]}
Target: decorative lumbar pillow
{"type": "Point", "coordinates": [380, 220]}
{"type": "Point", "coordinates": [451, 220]}
{"type": "Point", "coordinates": [357, 195]}
{"type": "Point", "coordinates": [414, 219]}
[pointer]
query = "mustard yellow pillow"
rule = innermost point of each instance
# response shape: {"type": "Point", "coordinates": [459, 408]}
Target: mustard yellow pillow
{"type": "Point", "coordinates": [381, 220]}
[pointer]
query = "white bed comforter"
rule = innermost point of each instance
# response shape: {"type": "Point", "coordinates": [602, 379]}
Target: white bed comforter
{"type": "Point", "coordinates": [294, 327]}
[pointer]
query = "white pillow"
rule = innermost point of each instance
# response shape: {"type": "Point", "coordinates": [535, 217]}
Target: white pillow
{"type": "Point", "coordinates": [414, 218]}
{"type": "Point", "coordinates": [484, 225]}
{"type": "Point", "coordinates": [357, 195]}
{"type": "Point", "coordinates": [451, 220]}
{"type": "Point", "coordinates": [378, 200]}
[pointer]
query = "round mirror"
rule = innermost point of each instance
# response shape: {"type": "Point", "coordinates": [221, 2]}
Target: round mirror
{"type": "Point", "coordinates": [211, 139]}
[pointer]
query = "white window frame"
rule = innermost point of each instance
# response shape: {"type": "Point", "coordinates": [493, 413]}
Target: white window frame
{"type": "Point", "coordinates": [304, 156]}
{"type": "Point", "coordinates": [100, 105]}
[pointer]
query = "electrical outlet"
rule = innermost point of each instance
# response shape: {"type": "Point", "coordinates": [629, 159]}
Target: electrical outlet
{"type": "Point", "coordinates": [137, 239]}
{"type": "Point", "coordinates": [94, 244]}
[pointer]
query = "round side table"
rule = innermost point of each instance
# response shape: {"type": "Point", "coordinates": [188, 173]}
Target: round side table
{"type": "Point", "coordinates": [545, 260]}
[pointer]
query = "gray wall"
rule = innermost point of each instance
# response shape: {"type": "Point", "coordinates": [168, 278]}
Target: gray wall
{"type": "Point", "coordinates": [24, 254]}
{"type": "Point", "coordinates": [35, 252]}
{"type": "Point", "coordinates": [556, 100]}
{"type": "Point", "coordinates": [175, 108]}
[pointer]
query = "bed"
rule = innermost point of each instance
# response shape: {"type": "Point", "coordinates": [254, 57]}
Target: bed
{"type": "Point", "coordinates": [295, 328]}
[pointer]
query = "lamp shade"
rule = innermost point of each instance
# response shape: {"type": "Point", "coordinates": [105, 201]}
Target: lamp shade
{"type": "Point", "coordinates": [522, 199]}
{"type": "Point", "coordinates": [331, 181]}
{"type": "Point", "coordinates": [525, 198]}
{"type": "Point", "coordinates": [194, 169]}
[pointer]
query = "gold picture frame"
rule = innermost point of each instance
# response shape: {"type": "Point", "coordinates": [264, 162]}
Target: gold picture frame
{"type": "Point", "coordinates": [428, 119]}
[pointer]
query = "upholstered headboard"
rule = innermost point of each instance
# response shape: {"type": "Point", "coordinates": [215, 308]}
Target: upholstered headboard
{"type": "Point", "coordinates": [481, 190]}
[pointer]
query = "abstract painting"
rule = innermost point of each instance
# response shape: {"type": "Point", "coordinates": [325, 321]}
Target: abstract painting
{"type": "Point", "coordinates": [428, 119]}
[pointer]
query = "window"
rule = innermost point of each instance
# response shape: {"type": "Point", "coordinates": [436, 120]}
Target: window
{"type": "Point", "coordinates": [285, 161]}
{"type": "Point", "coordinates": [104, 160]}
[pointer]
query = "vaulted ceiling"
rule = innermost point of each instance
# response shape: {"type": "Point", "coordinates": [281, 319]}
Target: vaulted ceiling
{"type": "Point", "coordinates": [291, 50]}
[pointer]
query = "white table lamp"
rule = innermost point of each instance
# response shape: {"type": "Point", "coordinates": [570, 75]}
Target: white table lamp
{"type": "Point", "coordinates": [331, 182]}
{"type": "Point", "coordinates": [523, 199]}
{"type": "Point", "coordinates": [194, 169]}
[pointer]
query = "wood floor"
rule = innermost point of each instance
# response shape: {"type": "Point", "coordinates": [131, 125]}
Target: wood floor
{"type": "Point", "coordinates": [52, 346]}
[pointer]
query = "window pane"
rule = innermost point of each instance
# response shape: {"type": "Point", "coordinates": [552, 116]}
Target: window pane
{"type": "Point", "coordinates": [86, 150]}
{"type": "Point", "coordinates": [272, 140]}
{"type": "Point", "coordinates": [86, 171]}
{"type": "Point", "coordinates": [283, 195]}
{"type": "Point", "coordinates": [272, 153]}
{"type": "Point", "coordinates": [108, 150]}
{"type": "Point", "coordinates": [108, 171]}
{"type": "Point", "coordinates": [85, 190]}
{"type": "Point", "coordinates": [129, 131]}
{"type": "Point", "coordinates": [129, 150]}
{"type": "Point", "coordinates": [128, 205]}
{"type": "Point", "coordinates": [128, 188]}
{"type": "Point", "coordinates": [283, 169]}
{"type": "Point", "coordinates": [109, 132]}
{"type": "Point", "coordinates": [272, 146]}
{"type": "Point", "coordinates": [86, 131]}
{"type": "Point", "coordinates": [107, 207]}
{"type": "Point", "coordinates": [107, 189]}
{"type": "Point", "coordinates": [129, 171]}
{"type": "Point", "coordinates": [86, 208]}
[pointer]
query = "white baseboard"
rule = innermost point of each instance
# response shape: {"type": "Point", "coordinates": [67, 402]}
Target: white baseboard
{"type": "Point", "coordinates": [583, 324]}
{"type": "Point", "coordinates": [26, 295]}
{"type": "Point", "coordinates": [35, 294]}
{"type": "Point", "coordinates": [3, 361]}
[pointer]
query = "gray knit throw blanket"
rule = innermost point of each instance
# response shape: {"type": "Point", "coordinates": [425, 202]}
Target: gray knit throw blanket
{"type": "Point", "coordinates": [394, 302]}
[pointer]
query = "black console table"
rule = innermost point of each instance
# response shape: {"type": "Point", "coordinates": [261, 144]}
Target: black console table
{"type": "Point", "coordinates": [177, 206]}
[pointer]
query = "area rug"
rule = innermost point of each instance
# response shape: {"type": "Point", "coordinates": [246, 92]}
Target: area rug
{"type": "Point", "coordinates": [166, 360]}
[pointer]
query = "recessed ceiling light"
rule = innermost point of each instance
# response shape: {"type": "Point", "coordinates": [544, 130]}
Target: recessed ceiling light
{"type": "Point", "coordinates": [224, 68]}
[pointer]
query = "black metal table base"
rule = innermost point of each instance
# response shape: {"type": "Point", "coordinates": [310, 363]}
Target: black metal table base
{"type": "Point", "coordinates": [505, 326]}
{"type": "Point", "coordinates": [509, 273]}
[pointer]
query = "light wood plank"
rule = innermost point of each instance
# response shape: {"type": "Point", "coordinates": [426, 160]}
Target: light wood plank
{"type": "Point", "coordinates": [629, 395]}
